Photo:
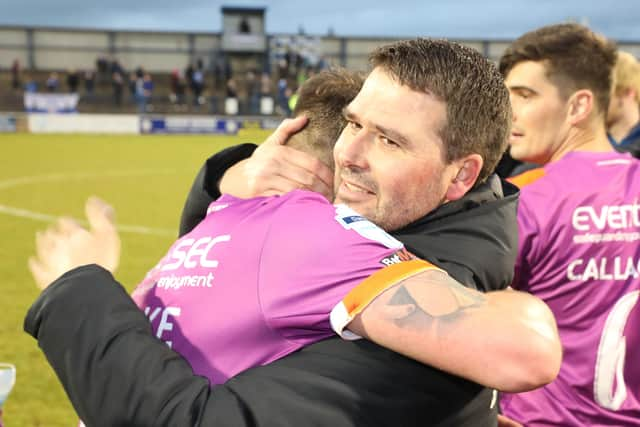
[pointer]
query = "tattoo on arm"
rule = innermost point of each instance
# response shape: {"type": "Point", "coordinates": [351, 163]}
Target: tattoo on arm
{"type": "Point", "coordinates": [454, 301]}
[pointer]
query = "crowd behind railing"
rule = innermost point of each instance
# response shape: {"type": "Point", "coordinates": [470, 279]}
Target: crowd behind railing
{"type": "Point", "coordinates": [109, 86]}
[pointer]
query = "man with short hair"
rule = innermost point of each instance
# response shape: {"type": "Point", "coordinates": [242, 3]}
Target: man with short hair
{"type": "Point", "coordinates": [623, 114]}
{"type": "Point", "coordinates": [335, 382]}
{"type": "Point", "coordinates": [578, 220]}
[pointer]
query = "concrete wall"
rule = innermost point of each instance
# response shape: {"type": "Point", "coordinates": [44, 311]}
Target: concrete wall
{"type": "Point", "coordinates": [13, 45]}
{"type": "Point", "coordinates": [60, 49]}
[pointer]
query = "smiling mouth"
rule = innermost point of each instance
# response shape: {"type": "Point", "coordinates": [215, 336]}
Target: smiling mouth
{"type": "Point", "coordinates": [355, 188]}
{"type": "Point", "coordinates": [352, 192]}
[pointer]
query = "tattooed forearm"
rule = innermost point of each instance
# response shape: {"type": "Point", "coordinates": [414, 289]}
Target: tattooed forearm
{"type": "Point", "coordinates": [441, 299]}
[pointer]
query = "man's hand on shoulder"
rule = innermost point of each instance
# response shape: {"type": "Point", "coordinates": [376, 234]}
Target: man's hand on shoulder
{"type": "Point", "coordinates": [275, 168]}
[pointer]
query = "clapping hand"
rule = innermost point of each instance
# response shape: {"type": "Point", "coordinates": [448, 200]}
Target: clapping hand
{"type": "Point", "coordinates": [67, 244]}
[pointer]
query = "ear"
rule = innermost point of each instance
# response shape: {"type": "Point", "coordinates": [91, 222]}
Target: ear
{"type": "Point", "coordinates": [581, 104]}
{"type": "Point", "coordinates": [465, 174]}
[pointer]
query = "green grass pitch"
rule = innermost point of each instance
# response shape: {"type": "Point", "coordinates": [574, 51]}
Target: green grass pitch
{"type": "Point", "coordinates": [146, 179]}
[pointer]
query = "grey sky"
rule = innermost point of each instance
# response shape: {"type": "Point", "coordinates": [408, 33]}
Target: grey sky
{"type": "Point", "coordinates": [493, 19]}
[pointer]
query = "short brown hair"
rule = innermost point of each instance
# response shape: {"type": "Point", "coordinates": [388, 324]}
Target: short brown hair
{"type": "Point", "coordinates": [477, 101]}
{"type": "Point", "coordinates": [321, 99]}
{"type": "Point", "coordinates": [574, 58]}
{"type": "Point", "coordinates": [626, 73]}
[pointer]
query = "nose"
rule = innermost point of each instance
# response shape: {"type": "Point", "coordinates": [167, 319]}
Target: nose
{"type": "Point", "coordinates": [352, 149]}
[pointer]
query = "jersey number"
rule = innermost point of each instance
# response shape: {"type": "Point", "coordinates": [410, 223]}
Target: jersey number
{"type": "Point", "coordinates": [611, 355]}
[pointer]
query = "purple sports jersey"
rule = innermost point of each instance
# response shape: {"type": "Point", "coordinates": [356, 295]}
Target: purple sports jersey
{"type": "Point", "coordinates": [257, 279]}
{"type": "Point", "coordinates": [579, 250]}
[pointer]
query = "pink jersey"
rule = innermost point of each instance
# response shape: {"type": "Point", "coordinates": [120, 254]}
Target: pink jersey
{"type": "Point", "coordinates": [579, 250]}
{"type": "Point", "coordinates": [258, 278]}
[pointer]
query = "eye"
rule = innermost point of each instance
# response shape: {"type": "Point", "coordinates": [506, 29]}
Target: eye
{"type": "Point", "coordinates": [524, 94]}
{"type": "Point", "coordinates": [353, 126]}
{"type": "Point", "coordinates": [388, 142]}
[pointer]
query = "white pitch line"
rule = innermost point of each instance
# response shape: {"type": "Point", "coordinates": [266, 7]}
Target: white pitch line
{"type": "Point", "coordinates": [34, 179]}
{"type": "Point", "coordinates": [43, 217]}
{"type": "Point", "coordinates": [125, 228]}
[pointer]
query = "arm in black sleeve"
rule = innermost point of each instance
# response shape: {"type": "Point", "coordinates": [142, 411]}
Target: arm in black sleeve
{"type": "Point", "coordinates": [205, 187]}
{"type": "Point", "coordinates": [117, 373]}
{"type": "Point", "coordinates": [113, 369]}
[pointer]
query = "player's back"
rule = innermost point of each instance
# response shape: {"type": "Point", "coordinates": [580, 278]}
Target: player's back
{"type": "Point", "coordinates": [579, 224]}
{"type": "Point", "coordinates": [257, 279]}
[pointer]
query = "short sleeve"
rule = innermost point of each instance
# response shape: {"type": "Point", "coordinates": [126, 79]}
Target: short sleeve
{"type": "Point", "coordinates": [313, 255]}
{"type": "Point", "coordinates": [366, 291]}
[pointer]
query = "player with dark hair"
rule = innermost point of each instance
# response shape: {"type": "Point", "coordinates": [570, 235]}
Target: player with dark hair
{"type": "Point", "coordinates": [578, 222]}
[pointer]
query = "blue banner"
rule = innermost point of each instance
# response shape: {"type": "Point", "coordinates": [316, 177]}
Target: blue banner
{"type": "Point", "coordinates": [50, 102]}
{"type": "Point", "coordinates": [202, 125]}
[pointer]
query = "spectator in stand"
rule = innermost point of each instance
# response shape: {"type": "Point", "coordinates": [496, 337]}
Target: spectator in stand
{"type": "Point", "coordinates": [323, 64]}
{"type": "Point", "coordinates": [31, 86]}
{"type": "Point", "coordinates": [177, 85]}
{"type": "Point", "coordinates": [253, 92]}
{"type": "Point", "coordinates": [266, 85]}
{"type": "Point", "coordinates": [232, 88]}
{"type": "Point", "coordinates": [266, 94]}
{"type": "Point", "coordinates": [218, 72]}
{"type": "Point", "coordinates": [623, 114]}
{"type": "Point", "coordinates": [289, 59]}
{"type": "Point", "coordinates": [73, 80]}
{"type": "Point", "coordinates": [139, 93]}
{"type": "Point", "coordinates": [173, 85]}
{"type": "Point", "coordinates": [131, 85]}
{"type": "Point", "coordinates": [115, 67]}
{"type": "Point", "coordinates": [147, 92]}
{"type": "Point", "coordinates": [303, 74]}
{"type": "Point", "coordinates": [231, 101]}
{"type": "Point", "coordinates": [293, 100]}
{"type": "Point", "coordinates": [197, 84]}
{"type": "Point", "coordinates": [297, 65]}
{"type": "Point", "coordinates": [53, 82]}
{"type": "Point", "coordinates": [228, 68]}
{"type": "Point", "coordinates": [283, 97]}
{"type": "Point", "coordinates": [104, 74]}
{"type": "Point", "coordinates": [89, 83]}
{"type": "Point", "coordinates": [244, 27]}
{"type": "Point", "coordinates": [283, 68]}
{"type": "Point", "coordinates": [117, 83]}
{"type": "Point", "coordinates": [188, 75]}
{"type": "Point", "coordinates": [15, 75]}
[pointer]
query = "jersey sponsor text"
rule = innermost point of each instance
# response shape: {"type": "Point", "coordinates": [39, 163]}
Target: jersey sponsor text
{"type": "Point", "coordinates": [191, 253]}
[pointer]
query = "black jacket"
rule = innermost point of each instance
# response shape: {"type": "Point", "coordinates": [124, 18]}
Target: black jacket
{"type": "Point", "coordinates": [116, 373]}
